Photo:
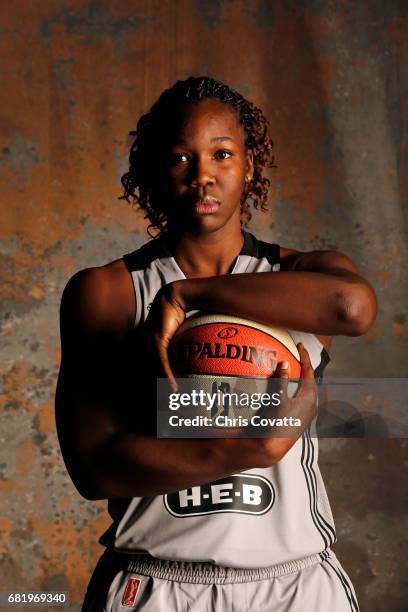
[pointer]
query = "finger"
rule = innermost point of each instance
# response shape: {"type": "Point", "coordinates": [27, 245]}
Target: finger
{"type": "Point", "coordinates": [307, 371]}
{"type": "Point", "coordinates": [282, 370]}
{"type": "Point", "coordinates": [282, 375]}
{"type": "Point", "coordinates": [307, 389]}
{"type": "Point", "coordinates": [165, 363]}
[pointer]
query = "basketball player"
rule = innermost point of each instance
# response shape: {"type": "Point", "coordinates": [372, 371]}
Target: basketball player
{"type": "Point", "coordinates": [226, 524]}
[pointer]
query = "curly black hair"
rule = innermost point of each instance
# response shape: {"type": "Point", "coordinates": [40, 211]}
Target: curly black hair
{"type": "Point", "coordinates": [139, 181]}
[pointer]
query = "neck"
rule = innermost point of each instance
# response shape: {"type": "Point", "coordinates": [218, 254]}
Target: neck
{"type": "Point", "coordinates": [211, 254]}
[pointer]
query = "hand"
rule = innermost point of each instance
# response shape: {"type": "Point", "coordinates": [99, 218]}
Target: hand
{"type": "Point", "coordinates": [165, 317]}
{"type": "Point", "coordinates": [307, 389]}
{"type": "Point", "coordinates": [302, 406]}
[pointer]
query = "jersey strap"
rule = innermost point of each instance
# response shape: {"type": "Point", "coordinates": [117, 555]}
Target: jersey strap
{"type": "Point", "coordinates": [158, 249]}
{"type": "Point", "coordinates": [260, 250]}
{"type": "Point", "coordinates": [143, 257]}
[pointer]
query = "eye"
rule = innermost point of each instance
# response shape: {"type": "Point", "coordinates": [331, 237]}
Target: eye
{"type": "Point", "coordinates": [223, 154]}
{"type": "Point", "coordinates": [178, 158]}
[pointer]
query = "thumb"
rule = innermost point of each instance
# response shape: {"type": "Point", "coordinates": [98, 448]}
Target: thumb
{"type": "Point", "coordinates": [165, 363]}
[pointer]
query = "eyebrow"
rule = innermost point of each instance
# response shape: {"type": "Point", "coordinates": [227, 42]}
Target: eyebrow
{"type": "Point", "coordinates": [216, 139]}
{"type": "Point", "coordinates": [219, 138]}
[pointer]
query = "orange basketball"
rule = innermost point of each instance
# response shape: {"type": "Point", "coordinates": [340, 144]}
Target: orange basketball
{"type": "Point", "coordinates": [221, 353]}
{"type": "Point", "coordinates": [223, 345]}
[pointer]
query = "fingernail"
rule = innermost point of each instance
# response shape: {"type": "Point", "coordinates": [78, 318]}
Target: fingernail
{"type": "Point", "coordinates": [284, 365]}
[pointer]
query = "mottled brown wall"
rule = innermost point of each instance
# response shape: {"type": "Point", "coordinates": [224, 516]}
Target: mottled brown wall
{"type": "Point", "coordinates": [332, 78]}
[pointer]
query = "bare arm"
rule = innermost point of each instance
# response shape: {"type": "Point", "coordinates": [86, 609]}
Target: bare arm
{"type": "Point", "coordinates": [147, 466]}
{"type": "Point", "coordinates": [106, 436]}
{"type": "Point", "coordinates": [318, 292]}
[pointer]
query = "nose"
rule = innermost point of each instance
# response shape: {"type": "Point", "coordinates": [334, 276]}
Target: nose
{"type": "Point", "coordinates": [201, 174]}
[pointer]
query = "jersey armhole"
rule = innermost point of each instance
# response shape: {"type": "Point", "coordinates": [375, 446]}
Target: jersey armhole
{"type": "Point", "coordinates": [136, 290]}
{"type": "Point", "coordinates": [324, 360]}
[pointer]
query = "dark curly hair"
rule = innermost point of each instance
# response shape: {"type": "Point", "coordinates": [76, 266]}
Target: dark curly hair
{"type": "Point", "coordinates": [139, 181]}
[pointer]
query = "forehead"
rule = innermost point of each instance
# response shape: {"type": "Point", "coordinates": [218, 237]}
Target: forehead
{"type": "Point", "coordinates": [207, 119]}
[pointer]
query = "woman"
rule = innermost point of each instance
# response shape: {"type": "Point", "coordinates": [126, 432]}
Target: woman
{"type": "Point", "coordinates": [195, 167]}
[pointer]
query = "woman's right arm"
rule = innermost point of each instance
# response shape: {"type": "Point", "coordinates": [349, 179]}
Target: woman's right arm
{"type": "Point", "coordinates": [102, 414]}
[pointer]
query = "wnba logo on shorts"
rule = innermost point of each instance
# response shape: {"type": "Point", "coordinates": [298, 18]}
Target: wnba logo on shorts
{"type": "Point", "coordinates": [130, 593]}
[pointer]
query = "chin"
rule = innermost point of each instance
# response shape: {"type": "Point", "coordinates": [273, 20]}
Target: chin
{"type": "Point", "coordinates": [205, 224]}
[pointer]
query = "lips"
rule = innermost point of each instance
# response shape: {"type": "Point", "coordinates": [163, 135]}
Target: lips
{"type": "Point", "coordinates": [207, 205]}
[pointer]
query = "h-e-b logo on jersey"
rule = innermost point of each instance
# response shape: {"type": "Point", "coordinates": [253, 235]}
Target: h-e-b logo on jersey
{"type": "Point", "coordinates": [242, 493]}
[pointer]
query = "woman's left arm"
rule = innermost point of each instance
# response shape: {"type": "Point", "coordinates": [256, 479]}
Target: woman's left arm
{"type": "Point", "coordinates": [319, 292]}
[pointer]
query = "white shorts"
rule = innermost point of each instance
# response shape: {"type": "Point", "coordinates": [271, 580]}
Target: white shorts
{"type": "Point", "coordinates": [121, 583]}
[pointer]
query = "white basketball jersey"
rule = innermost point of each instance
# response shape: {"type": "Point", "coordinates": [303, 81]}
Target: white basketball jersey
{"type": "Point", "coordinates": [254, 519]}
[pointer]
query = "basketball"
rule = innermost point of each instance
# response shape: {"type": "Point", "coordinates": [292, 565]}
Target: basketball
{"type": "Point", "coordinates": [226, 356]}
{"type": "Point", "coordinates": [224, 345]}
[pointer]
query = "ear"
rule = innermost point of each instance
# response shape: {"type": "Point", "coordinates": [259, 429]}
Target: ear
{"type": "Point", "coordinates": [249, 169]}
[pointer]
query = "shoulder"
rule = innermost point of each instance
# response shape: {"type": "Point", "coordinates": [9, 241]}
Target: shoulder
{"type": "Point", "coordinates": [142, 257]}
{"type": "Point", "coordinates": [315, 261]}
{"type": "Point", "coordinates": [100, 298]}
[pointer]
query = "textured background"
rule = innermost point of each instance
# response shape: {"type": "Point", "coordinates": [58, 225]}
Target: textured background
{"type": "Point", "coordinates": [331, 77]}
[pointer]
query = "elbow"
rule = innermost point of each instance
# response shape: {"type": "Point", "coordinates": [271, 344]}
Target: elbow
{"type": "Point", "coordinates": [356, 309]}
{"type": "Point", "coordinates": [97, 487]}
{"type": "Point", "coordinates": [86, 489]}
{"type": "Point", "coordinates": [83, 481]}
{"type": "Point", "coordinates": [89, 495]}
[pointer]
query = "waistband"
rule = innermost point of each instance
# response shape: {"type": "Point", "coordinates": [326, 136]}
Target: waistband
{"type": "Point", "coordinates": [209, 573]}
